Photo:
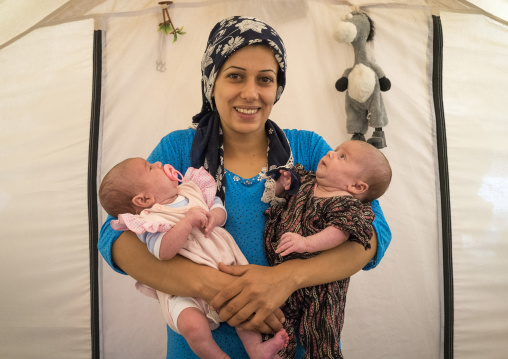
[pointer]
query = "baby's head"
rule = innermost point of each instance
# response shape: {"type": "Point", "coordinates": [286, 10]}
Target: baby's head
{"type": "Point", "coordinates": [133, 185]}
{"type": "Point", "coordinates": [356, 167]}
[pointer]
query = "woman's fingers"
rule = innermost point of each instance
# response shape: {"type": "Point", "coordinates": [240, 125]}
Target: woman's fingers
{"type": "Point", "coordinates": [235, 306]}
{"type": "Point", "coordinates": [222, 301]}
{"type": "Point", "coordinates": [243, 315]}
{"type": "Point", "coordinates": [273, 322]}
{"type": "Point", "coordinates": [270, 325]}
{"type": "Point", "coordinates": [279, 315]}
{"type": "Point", "coordinates": [262, 321]}
{"type": "Point", "coordinates": [253, 297]}
{"type": "Point", "coordinates": [263, 328]}
{"type": "Point", "coordinates": [237, 301]}
{"type": "Point", "coordinates": [229, 292]}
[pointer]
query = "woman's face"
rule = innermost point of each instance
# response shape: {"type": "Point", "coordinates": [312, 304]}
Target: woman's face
{"type": "Point", "coordinates": [245, 90]}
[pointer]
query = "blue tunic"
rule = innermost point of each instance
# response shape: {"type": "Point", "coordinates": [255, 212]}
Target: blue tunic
{"type": "Point", "coordinates": [245, 219]}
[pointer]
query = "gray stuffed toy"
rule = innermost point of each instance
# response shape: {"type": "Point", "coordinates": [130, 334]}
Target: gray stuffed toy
{"type": "Point", "coordinates": [363, 82]}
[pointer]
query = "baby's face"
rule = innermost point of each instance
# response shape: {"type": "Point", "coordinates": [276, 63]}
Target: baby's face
{"type": "Point", "coordinates": [340, 167]}
{"type": "Point", "coordinates": [154, 179]}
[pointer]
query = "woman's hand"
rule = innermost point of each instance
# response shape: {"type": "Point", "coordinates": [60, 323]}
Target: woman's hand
{"type": "Point", "coordinates": [254, 298]}
{"type": "Point", "coordinates": [258, 291]}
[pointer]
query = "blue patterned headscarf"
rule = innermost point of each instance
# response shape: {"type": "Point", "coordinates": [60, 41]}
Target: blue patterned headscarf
{"type": "Point", "coordinates": [227, 37]}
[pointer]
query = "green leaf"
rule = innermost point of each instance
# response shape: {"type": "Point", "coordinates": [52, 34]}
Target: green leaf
{"type": "Point", "coordinates": [166, 28]}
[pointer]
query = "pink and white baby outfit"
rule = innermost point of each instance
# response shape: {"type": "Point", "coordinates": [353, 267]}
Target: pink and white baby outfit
{"type": "Point", "coordinates": [218, 247]}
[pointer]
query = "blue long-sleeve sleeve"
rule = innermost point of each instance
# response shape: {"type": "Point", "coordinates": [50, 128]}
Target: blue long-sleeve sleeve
{"type": "Point", "coordinates": [384, 235]}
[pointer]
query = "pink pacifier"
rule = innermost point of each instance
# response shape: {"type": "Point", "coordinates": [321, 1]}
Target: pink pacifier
{"type": "Point", "coordinates": [172, 173]}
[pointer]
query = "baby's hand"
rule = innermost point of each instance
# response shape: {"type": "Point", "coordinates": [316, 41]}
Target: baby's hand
{"type": "Point", "coordinates": [291, 242]}
{"type": "Point", "coordinates": [283, 183]}
{"type": "Point", "coordinates": [197, 217]}
{"type": "Point", "coordinates": [211, 223]}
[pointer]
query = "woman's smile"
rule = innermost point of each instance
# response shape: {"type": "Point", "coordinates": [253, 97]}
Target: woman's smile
{"type": "Point", "coordinates": [247, 111]}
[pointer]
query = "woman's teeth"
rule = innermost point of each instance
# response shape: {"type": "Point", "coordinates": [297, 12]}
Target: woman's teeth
{"type": "Point", "coordinates": [248, 111]}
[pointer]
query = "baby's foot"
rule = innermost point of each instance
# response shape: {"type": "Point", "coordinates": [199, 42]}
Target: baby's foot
{"type": "Point", "coordinates": [270, 348]}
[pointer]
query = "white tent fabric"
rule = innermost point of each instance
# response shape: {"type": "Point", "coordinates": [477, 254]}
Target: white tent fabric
{"type": "Point", "coordinates": [45, 124]}
{"type": "Point", "coordinates": [478, 161]}
{"type": "Point", "coordinates": [393, 311]}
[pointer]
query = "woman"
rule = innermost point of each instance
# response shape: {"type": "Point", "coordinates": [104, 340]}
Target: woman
{"type": "Point", "coordinates": [243, 69]}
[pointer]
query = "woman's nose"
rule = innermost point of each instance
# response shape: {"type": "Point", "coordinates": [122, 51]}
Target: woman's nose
{"type": "Point", "coordinates": [249, 90]}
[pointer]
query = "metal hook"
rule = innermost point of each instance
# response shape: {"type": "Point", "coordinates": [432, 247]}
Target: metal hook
{"type": "Point", "coordinates": [160, 66]}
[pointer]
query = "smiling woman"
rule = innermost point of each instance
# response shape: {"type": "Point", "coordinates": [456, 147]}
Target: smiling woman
{"type": "Point", "coordinates": [232, 137]}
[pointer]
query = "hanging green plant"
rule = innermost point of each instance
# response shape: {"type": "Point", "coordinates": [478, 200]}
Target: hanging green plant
{"type": "Point", "coordinates": [166, 26]}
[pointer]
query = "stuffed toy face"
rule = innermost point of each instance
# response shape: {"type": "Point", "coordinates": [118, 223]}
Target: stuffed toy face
{"type": "Point", "coordinates": [356, 27]}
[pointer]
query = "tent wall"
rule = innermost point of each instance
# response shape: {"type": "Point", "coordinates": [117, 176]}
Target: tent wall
{"type": "Point", "coordinates": [394, 311]}
{"type": "Point", "coordinates": [44, 260]}
{"type": "Point", "coordinates": [475, 62]}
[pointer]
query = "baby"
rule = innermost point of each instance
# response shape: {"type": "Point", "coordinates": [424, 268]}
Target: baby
{"type": "Point", "coordinates": [331, 206]}
{"type": "Point", "coordinates": [183, 219]}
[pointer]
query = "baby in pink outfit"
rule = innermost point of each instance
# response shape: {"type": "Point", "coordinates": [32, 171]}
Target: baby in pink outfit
{"type": "Point", "coordinates": [183, 219]}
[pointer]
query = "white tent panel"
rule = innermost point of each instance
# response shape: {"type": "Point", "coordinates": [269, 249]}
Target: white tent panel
{"type": "Point", "coordinates": [393, 311]}
{"type": "Point", "coordinates": [44, 260]}
{"type": "Point", "coordinates": [141, 105]}
{"type": "Point", "coordinates": [476, 54]}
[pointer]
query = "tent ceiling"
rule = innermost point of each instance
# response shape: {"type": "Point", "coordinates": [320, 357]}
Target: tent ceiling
{"type": "Point", "coordinates": [18, 17]}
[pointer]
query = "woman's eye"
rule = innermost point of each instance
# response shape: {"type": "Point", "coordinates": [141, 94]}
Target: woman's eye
{"type": "Point", "coordinates": [266, 80]}
{"type": "Point", "coordinates": [343, 157]}
{"type": "Point", "coordinates": [234, 76]}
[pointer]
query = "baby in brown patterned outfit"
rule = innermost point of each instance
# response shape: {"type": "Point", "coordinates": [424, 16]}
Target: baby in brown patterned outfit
{"type": "Point", "coordinates": [332, 205]}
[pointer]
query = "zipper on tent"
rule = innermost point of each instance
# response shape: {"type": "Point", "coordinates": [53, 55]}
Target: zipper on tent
{"type": "Point", "coordinates": [92, 192]}
{"type": "Point", "coordinates": [437, 87]}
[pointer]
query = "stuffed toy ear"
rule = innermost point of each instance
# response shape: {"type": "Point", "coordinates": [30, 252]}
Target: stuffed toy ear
{"type": "Point", "coordinates": [345, 32]}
